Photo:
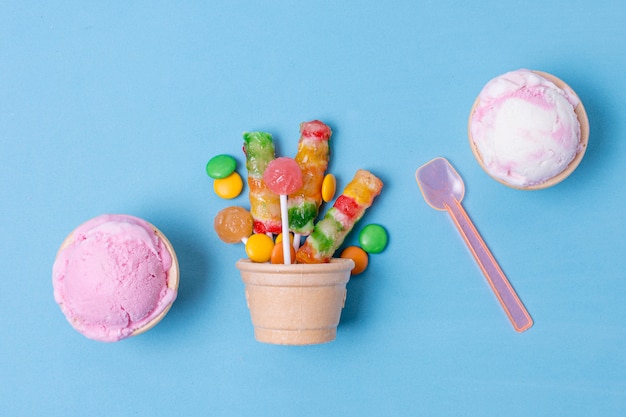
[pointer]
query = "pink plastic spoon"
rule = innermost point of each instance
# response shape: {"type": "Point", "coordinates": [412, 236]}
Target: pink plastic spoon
{"type": "Point", "coordinates": [443, 189]}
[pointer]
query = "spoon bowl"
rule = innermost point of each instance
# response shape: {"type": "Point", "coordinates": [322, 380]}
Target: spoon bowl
{"type": "Point", "coordinates": [439, 181]}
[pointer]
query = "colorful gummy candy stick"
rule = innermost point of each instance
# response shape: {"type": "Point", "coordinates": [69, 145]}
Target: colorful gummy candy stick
{"type": "Point", "coordinates": [312, 157]}
{"type": "Point", "coordinates": [348, 209]}
{"type": "Point", "coordinates": [264, 204]}
{"type": "Point", "coordinates": [283, 176]}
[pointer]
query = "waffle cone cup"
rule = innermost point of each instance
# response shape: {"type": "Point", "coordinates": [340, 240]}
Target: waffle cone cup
{"type": "Point", "coordinates": [298, 304]}
{"type": "Point", "coordinates": [581, 114]}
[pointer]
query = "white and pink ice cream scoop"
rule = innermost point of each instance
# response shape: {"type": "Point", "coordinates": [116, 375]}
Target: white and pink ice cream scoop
{"type": "Point", "coordinates": [115, 276]}
{"type": "Point", "coordinates": [528, 129]}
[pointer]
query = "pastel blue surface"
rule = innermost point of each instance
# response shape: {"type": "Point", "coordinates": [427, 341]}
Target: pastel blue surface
{"type": "Point", "coordinates": [117, 108]}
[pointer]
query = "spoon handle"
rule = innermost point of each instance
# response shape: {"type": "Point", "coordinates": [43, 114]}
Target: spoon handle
{"type": "Point", "coordinates": [500, 285]}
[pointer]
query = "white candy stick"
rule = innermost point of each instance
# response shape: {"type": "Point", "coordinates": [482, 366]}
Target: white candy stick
{"type": "Point", "coordinates": [285, 226]}
{"type": "Point", "coordinates": [296, 241]}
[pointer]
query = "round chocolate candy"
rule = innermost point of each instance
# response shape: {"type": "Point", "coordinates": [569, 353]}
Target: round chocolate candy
{"type": "Point", "coordinates": [221, 166]}
{"type": "Point", "coordinates": [359, 256]}
{"type": "Point", "coordinates": [259, 247]}
{"type": "Point", "coordinates": [373, 238]}
{"type": "Point", "coordinates": [329, 185]}
{"type": "Point", "coordinates": [229, 187]}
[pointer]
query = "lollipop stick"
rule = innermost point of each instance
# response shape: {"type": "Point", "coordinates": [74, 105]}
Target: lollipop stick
{"type": "Point", "coordinates": [285, 224]}
{"type": "Point", "coordinates": [297, 237]}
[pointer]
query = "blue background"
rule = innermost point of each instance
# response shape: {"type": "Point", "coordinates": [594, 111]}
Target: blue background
{"type": "Point", "coordinates": [117, 108]}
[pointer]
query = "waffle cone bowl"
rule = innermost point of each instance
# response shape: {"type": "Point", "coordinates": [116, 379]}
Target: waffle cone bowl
{"type": "Point", "coordinates": [298, 304]}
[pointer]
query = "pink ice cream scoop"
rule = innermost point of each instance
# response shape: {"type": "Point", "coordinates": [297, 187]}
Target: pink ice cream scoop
{"type": "Point", "coordinates": [115, 276]}
{"type": "Point", "coordinates": [528, 129]}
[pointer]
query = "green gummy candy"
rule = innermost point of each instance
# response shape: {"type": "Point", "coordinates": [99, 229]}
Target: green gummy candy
{"type": "Point", "coordinates": [326, 234]}
{"type": "Point", "coordinates": [259, 148]}
{"type": "Point", "coordinates": [323, 243]}
{"type": "Point", "coordinates": [302, 216]}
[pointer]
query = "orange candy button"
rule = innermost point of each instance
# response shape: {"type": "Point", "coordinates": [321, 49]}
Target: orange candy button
{"type": "Point", "coordinates": [359, 256]}
{"type": "Point", "coordinates": [277, 254]}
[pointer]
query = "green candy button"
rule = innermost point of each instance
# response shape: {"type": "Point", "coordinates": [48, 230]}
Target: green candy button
{"type": "Point", "coordinates": [221, 166]}
{"type": "Point", "coordinates": [373, 238]}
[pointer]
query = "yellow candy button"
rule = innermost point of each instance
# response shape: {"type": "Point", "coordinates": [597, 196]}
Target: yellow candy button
{"type": "Point", "coordinates": [259, 247]}
{"type": "Point", "coordinates": [279, 238]}
{"type": "Point", "coordinates": [229, 187]}
{"type": "Point", "coordinates": [329, 186]}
